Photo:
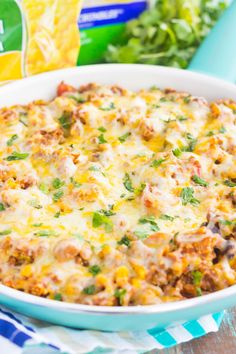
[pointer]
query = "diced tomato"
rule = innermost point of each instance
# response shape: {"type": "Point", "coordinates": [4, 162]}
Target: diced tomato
{"type": "Point", "coordinates": [62, 88]}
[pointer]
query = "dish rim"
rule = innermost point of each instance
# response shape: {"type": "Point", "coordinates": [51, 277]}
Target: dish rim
{"type": "Point", "coordinates": [111, 310]}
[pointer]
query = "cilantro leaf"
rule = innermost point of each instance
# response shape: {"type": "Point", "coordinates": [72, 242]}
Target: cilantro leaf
{"type": "Point", "coordinates": [227, 222]}
{"type": "Point", "coordinates": [45, 233]}
{"type": "Point", "coordinates": [12, 139]}
{"type": "Point", "coordinates": [57, 196]}
{"type": "Point", "coordinates": [128, 183]}
{"type": "Point", "coordinates": [66, 120]}
{"type": "Point", "coordinates": [101, 139]}
{"type": "Point", "coordinates": [57, 183]}
{"type": "Point", "coordinates": [187, 195]}
{"type": "Point", "coordinates": [75, 183]}
{"type": "Point", "coordinates": [94, 269]}
{"type": "Point", "coordinates": [191, 145]}
{"type": "Point", "coordinates": [222, 130]}
{"type": "Point", "coordinates": [177, 152]}
{"type": "Point", "coordinates": [2, 207]}
{"type": "Point", "coordinates": [58, 297]}
{"type": "Point", "coordinates": [89, 290]}
{"type": "Point", "coordinates": [17, 156]}
{"type": "Point", "coordinates": [199, 181]}
{"type": "Point", "coordinates": [156, 163]}
{"type": "Point", "coordinates": [44, 188]}
{"type": "Point", "coordinates": [124, 137]}
{"type": "Point", "coordinates": [102, 129]}
{"type": "Point", "coordinates": [108, 108]}
{"type": "Point", "coordinates": [35, 204]}
{"type": "Point", "coordinates": [141, 234]}
{"type": "Point", "coordinates": [124, 241]}
{"type": "Point", "coordinates": [167, 217]}
{"type": "Point", "coordinates": [119, 294]}
{"type": "Point", "coordinates": [149, 220]}
{"type": "Point", "coordinates": [229, 183]}
{"type": "Point", "coordinates": [197, 277]}
{"type": "Point", "coordinates": [5, 232]}
{"type": "Point", "coordinates": [101, 219]}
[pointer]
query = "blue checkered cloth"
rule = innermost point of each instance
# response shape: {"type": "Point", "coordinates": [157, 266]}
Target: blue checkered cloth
{"type": "Point", "coordinates": [23, 335]}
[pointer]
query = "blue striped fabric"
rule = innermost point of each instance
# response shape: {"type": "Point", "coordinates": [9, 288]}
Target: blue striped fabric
{"type": "Point", "coordinates": [18, 333]}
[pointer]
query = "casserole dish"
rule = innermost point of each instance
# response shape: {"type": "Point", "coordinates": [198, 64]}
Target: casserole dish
{"type": "Point", "coordinates": [116, 318]}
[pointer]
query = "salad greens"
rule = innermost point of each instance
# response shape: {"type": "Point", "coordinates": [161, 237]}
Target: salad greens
{"type": "Point", "coordinates": [168, 33]}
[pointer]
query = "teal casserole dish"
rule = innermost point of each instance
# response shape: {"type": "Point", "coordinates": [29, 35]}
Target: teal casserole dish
{"type": "Point", "coordinates": [102, 317]}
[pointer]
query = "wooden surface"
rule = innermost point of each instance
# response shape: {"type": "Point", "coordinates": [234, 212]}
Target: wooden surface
{"type": "Point", "coordinates": [221, 342]}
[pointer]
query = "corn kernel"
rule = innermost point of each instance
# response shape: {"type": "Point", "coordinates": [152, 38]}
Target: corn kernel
{"type": "Point", "coordinates": [26, 271]}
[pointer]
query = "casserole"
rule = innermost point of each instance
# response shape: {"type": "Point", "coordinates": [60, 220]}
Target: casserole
{"type": "Point", "coordinates": [124, 75]}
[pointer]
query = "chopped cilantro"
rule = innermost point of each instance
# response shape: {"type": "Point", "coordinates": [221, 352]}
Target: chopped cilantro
{"type": "Point", "coordinates": [156, 106]}
{"type": "Point", "coordinates": [44, 188]}
{"type": "Point", "coordinates": [156, 163]}
{"type": "Point", "coordinates": [77, 98]}
{"type": "Point", "coordinates": [199, 291]}
{"type": "Point", "coordinates": [119, 294]}
{"type": "Point", "coordinates": [227, 222]}
{"type": "Point", "coordinates": [177, 152]}
{"type": "Point", "coordinates": [5, 232]}
{"type": "Point", "coordinates": [57, 183]}
{"type": "Point", "coordinates": [142, 234]}
{"type": "Point", "coordinates": [17, 156]}
{"type": "Point", "coordinates": [43, 233]}
{"type": "Point", "coordinates": [57, 215]}
{"type": "Point", "coordinates": [75, 184]}
{"type": "Point", "coordinates": [65, 120]}
{"type": "Point", "coordinates": [187, 195]}
{"type": "Point", "coordinates": [222, 130]}
{"type": "Point", "coordinates": [23, 119]}
{"type": "Point", "coordinates": [149, 220]}
{"type": "Point", "coordinates": [182, 118]}
{"type": "Point", "coordinates": [197, 277]}
{"type": "Point", "coordinates": [210, 133]}
{"type": "Point", "coordinates": [2, 207]}
{"type": "Point", "coordinates": [199, 181]}
{"type": "Point", "coordinates": [107, 212]}
{"type": "Point", "coordinates": [140, 189]}
{"type": "Point", "coordinates": [229, 183]}
{"type": "Point", "coordinates": [187, 99]}
{"type": "Point", "coordinates": [58, 297]}
{"type": "Point", "coordinates": [89, 290]}
{"type": "Point", "coordinates": [154, 88]}
{"type": "Point", "coordinates": [128, 183]}
{"type": "Point", "coordinates": [94, 270]}
{"type": "Point", "coordinates": [94, 168]}
{"type": "Point", "coordinates": [58, 195]}
{"type": "Point", "coordinates": [101, 139]}
{"type": "Point", "coordinates": [78, 235]}
{"type": "Point", "coordinates": [101, 219]}
{"type": "Point", "coordinates": [102, 129]}
{"type": "Point", "coordinates": [167, 217]}
{"type": "Point", "coordinates": [191, 145]}
{"type": "Point", "coordinates": [124, 137]}
{"type": "Point", "coordinates": [108, 108]}
{"type": "Point", "coordinates": [35, 204]}
{"type": "Point", "coordinates": [12, 139]}
{"type": "Point", "coordinates": [163, 99]}
{"type": "Point", "coordinates": [124, 241]}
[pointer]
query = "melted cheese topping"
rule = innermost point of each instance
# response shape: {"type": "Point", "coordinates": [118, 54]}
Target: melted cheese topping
{"type": "Point", "coordinates": [111, 197]}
